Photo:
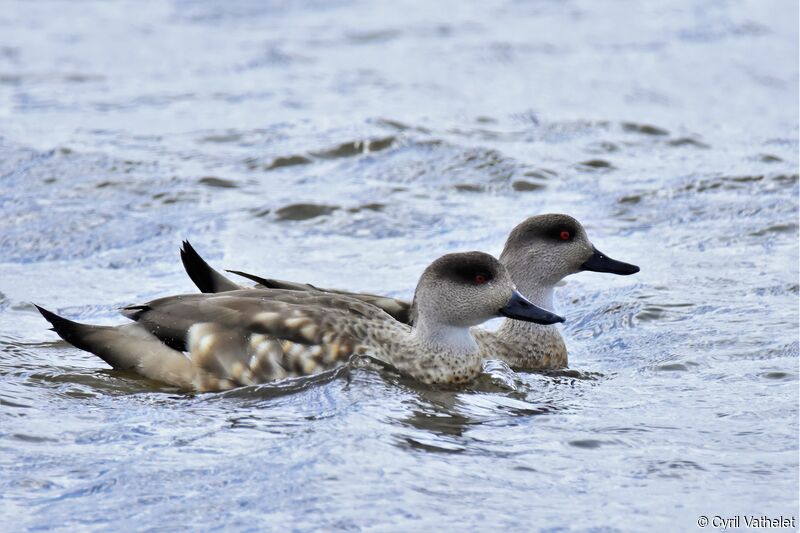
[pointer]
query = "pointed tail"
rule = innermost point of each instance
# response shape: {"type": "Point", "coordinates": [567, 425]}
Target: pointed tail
{"type": "Point", "coordinates": [127, 347]}
{"type": "Point", "coordinates": [206, 278]}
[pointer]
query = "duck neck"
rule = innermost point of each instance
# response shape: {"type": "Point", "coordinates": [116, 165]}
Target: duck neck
{"type": "Point", "coordinates": [442, 354]}
{"type": "Point", "coordinates": [533, 346]}
{"type": "Point", "coordinates": [445, 339]}
{"type": "Point", "coordinates": [538, 294]}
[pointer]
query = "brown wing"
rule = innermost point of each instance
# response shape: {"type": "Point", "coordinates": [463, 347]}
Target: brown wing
{"type": "Point", "coordinates": [209, 280]}
{"type": "Point", "coordinates": [171, 318]}
{"type": "Point", "coordinates": [287, 333]}
{"type": "Point", "coordinates": [400, 310]}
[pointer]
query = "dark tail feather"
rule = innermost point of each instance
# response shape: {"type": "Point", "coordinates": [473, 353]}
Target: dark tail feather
{"type": "Point", "coordinates": [66, 329]}
{"type": "Point", "coordinates": [127, 347]}
{"type": "Point", "coordinates": [206, 278]}
{"type": "Point", "coordinates": [252, 277]}
{"type": "Point", "coordinates": [134, 311]}
{"type": "Point", "coordinates": [93, 339]}
{"type": "Point", "coordinates": [276, 283]}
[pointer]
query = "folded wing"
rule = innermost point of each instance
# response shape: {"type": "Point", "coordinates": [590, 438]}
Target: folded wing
{"type": "Point", "coordinates": [209, 280]}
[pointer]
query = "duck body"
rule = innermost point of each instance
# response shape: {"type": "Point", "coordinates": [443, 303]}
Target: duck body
{"type": "Point", "coordinates": [277, 333]}
{"type": "Point", "coordinates": [243, 337]}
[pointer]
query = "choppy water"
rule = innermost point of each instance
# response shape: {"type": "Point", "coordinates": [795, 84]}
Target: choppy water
{"type": "Point", "coordinates": [348, 144]}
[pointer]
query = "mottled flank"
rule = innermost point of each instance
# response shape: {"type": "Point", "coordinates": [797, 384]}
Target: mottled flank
{"type": "Point", "coordinates": [223, 361]}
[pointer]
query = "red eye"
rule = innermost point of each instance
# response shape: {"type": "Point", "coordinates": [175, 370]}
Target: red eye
{"type": "Point", "coordinates": [564, 235]}
{"type": "Point", "coordinates": [480, 280]}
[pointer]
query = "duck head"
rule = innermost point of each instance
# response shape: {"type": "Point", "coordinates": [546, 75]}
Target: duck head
{"type": "Point", "coordinates": [462, 290]}
{"type": "Point", "coordinates": [544, 249]}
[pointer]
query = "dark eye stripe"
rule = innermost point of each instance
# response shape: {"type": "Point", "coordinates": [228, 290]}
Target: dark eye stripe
{"type": "Point", "coordinates": [553, 231]}
{"type": "Point", "coordinates": [471, 275]}
{"type": "Point", "coordinates": [466, 269]}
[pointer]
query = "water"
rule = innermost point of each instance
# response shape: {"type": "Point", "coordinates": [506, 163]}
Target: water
{"type": "Point", "coordinates": [347, 144]}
